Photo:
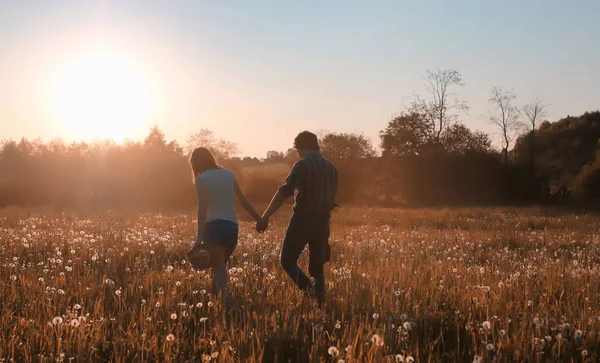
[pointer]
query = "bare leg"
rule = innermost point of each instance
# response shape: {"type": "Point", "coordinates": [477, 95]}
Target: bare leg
{"type": "Point", "coordinates": [220, 276]}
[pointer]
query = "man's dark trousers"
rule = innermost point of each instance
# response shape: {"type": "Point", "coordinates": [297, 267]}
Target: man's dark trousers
{"type": "Point", "coordinates": [312, 229]}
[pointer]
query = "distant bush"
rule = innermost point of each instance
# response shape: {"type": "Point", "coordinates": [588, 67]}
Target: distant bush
{"type": "Point", "coordinates": [260, 188]}
{"type": "Point", "coordinates": [587, 183]}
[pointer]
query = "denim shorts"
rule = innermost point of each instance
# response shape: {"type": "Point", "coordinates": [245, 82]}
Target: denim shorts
{"type": "Point", "coordinates": [221, 232]}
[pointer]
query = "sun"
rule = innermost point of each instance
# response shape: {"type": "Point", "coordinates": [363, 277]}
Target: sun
{"type": "Point", "coordinates": [102, 96]}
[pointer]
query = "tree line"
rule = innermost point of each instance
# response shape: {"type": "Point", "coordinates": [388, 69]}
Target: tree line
{"type": "Point", "coordinates": [427, 157]}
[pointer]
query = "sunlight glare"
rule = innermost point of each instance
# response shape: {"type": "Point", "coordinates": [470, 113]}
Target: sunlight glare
{"type": "Point", "coordinates": [102, 96]}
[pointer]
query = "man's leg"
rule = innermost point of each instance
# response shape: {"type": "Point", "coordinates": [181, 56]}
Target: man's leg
{"type": "Point", "coordinates": [318, 255]}
{"type": "Point", "coordinates": [293, 245]}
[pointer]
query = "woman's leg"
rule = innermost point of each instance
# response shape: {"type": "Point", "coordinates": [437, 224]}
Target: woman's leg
{"type": "Point", "coordinates": [219, 269]}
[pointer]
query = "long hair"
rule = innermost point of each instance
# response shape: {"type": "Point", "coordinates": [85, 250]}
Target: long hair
{"type": "Point", "coordinates": [202, 160]}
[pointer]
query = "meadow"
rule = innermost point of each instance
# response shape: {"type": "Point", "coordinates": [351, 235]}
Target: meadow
{"type": "Point", "coordinates": [472, 285]}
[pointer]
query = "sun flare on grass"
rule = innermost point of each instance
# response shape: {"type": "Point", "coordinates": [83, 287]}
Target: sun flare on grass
{"type": "Point", "coordinates": [102, 96]}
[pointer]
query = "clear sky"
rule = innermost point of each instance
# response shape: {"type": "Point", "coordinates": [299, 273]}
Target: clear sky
{"type": "Point", "coordinates": [257, 72]}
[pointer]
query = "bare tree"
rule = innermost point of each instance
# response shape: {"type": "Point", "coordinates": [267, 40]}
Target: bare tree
{"type": "Point", "coordinates": [221, 148]}
{"type": "Point", "coordinates": [534, 111]}
{"type": "Point", "coordinates": [440, 110]}
{"type": "Point", "coordinates": [507, 119]}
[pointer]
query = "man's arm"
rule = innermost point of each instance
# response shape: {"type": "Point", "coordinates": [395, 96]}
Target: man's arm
{"type": "Point", "coordinates": [278, 199]}
{"type": "Point", "coordinates": [292, 182]}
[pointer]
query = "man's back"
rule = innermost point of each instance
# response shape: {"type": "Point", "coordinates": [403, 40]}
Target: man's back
{"type": "Point", "coordinates": [315, 180]}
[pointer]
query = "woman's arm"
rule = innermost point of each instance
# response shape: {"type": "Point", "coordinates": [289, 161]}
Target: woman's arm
{"type": "Point", "coordinates": [248, 206]}
{"type": "Point", "coordinates": [201, 193]}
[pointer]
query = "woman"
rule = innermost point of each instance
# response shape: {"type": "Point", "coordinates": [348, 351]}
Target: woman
{"type": "Point", "coordinates": [217, 220]}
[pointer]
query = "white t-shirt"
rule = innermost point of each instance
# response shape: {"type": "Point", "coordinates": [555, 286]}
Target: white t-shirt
{"type": "Point", "coordinates": [219, 186]}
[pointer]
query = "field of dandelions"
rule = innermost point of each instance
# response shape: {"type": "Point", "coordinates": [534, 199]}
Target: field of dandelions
{"type": "Point", "coordinates": [469, 285]}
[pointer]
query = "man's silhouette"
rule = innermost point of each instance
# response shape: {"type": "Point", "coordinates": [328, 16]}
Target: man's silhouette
{"type": "Point", "coordinates": [314, 181]}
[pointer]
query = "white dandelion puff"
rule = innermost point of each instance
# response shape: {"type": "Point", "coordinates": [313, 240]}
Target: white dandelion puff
{"type": "Point", "coordinates": [333, 351]}
{"type": "Point", "coordinates": [173, 316]}
{"type": "Point", "coordinates": [170, 338]}
{"type": "Point", "coordinates": [376, 340]}
{"type": "Point", "coordinates": [57, 320]}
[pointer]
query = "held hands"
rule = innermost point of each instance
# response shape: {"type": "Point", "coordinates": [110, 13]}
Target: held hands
{"type": "Point", "coordinates": [262, 224]}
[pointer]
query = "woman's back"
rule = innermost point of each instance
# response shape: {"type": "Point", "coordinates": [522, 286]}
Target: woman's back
{"type": "Point", "coordinates": [219, 187]}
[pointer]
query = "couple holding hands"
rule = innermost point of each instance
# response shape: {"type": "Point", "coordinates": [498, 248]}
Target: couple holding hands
{"type": "Point", "coordinates": [313, 180]}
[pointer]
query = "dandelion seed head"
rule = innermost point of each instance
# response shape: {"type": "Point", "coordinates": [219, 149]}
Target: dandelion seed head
{"type": "Point", "coordinates": [376, 340]}
{"type": "Point", "coordinates": [333, 351]}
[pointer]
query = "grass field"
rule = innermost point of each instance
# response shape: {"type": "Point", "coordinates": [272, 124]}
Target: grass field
{"type": "Point", "coordinates": [422, 285]}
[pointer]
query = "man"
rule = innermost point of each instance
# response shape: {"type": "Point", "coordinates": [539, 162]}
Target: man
{"type": "Point", "coordinates": [314, 182]}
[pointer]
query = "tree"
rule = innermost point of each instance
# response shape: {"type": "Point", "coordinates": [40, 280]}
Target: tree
{"type": "Point", "coordinates": [291, 156]}
{"type": "Point", "coordinates": [439, 111]}
{"type": "Point", "coordinates": [460, 140]}
{"type": "Point", "coordinates": [155, 139]}
{"type": "Point", "coordinates": [407, 134]}
{"type": "Point", "coordinates": [221, 148]}
{"type": "Point", "coordinates": [507, 119]}
{"type": "Point", "coordinates": [274, 156]}
{"type": "Point", "coordinates": [534, 111]}
{"type": "Point", "coordinates": [346, 146]}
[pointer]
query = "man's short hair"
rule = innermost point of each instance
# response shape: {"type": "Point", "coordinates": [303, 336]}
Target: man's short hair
{"type": "Point", "coordinates": [306, 141]}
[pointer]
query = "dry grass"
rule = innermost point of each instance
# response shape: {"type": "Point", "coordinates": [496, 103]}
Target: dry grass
{"type": "Point", "coordinates": [436, 285]}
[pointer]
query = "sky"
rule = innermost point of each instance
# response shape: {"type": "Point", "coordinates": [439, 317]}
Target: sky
{"type": "Point", "coordinates": [258, 72]}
